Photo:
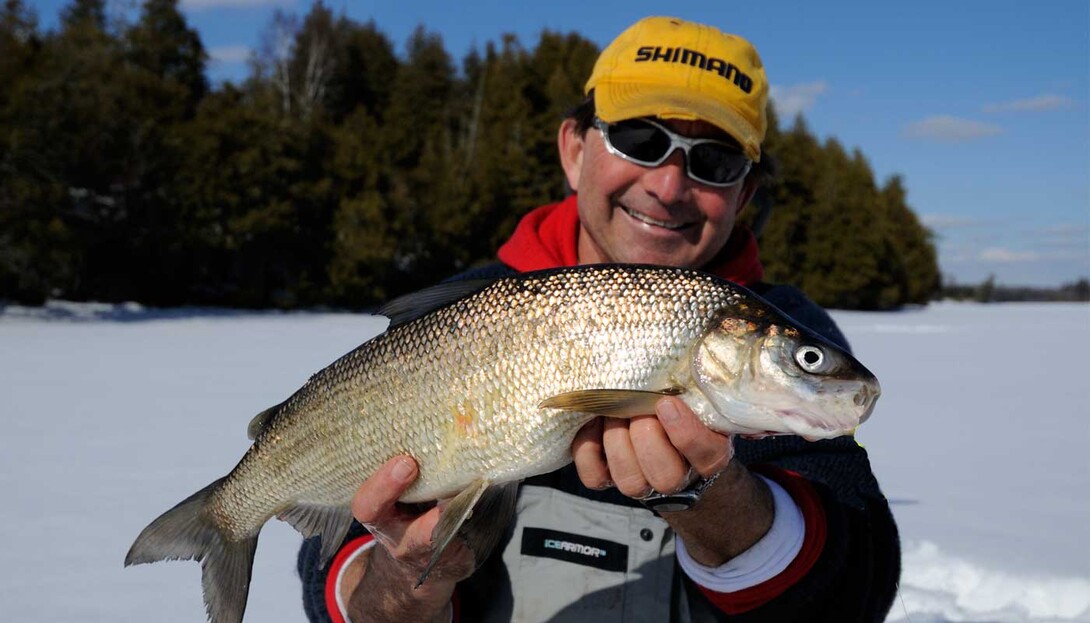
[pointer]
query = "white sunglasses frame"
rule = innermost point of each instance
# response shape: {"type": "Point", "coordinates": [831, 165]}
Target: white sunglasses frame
{"type": "Point", "coordinates": [677, 141]}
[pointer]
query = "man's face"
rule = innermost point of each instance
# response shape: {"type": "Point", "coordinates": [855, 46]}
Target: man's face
{"type": "Point", "coordinates": [650, 215]}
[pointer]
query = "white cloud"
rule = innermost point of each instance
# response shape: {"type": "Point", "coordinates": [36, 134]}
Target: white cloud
{"type": "Point", "coordinates": [1007, 256]}
{"type": "Point", "coordinates": [947, 129]}
{"type": "Point", "coordinates": [220, 4]}
{"type": "Point", "coordinates": [794, 99]}
{"type": "Point", "coordinates": [1033, 104]}
{"type": "Point", "coordinates": [230, 54]}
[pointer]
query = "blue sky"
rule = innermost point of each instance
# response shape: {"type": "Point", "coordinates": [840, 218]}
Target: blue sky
{"type": "Point", "coordinates": [981, 106]}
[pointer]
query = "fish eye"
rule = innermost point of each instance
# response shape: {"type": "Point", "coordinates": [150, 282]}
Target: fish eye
{"type": "Point", "coordinates": [810, 358]}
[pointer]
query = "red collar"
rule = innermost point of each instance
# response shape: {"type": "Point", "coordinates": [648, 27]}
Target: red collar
{"type": "Point", "coordinates": [548, 237]}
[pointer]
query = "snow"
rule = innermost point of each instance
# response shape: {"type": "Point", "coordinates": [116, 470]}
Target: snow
{"type": "Point", "coordinates": [112, 414]}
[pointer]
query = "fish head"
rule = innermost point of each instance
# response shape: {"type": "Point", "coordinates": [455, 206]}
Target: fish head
{"type": "Point", "coordinates": [767, 376]}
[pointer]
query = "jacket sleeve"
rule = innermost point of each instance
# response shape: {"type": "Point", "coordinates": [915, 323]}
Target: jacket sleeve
{"type": "Point", "coordinates": [315, 578]}
{"type": "Point", "coordinates": [855, 575]}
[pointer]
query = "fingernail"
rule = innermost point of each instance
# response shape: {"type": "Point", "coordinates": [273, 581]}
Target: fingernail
{"type": "Point", "coordinates": [402, 470]}
{"type": "Point", "coordinates": [668, 412]}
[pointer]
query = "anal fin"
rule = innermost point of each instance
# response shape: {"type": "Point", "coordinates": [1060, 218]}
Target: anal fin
{"type": "Point", "coordinates": [331, 522]}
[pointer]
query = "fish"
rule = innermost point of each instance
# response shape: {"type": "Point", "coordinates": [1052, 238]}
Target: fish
{"type": "Point", "coordinates": [486, 383]}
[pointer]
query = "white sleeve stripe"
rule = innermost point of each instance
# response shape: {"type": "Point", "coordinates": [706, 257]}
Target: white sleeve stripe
{"type": "Point", "coordinates": [343, 607]}
{"type": "Point", "coordinates": [766, 559]}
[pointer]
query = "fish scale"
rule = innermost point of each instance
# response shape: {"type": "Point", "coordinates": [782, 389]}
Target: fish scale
{"type": "Point", "coordinates": [490, 387]}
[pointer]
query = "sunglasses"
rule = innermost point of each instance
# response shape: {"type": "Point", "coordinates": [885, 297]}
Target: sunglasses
{"type": "Point", "coordinates": [644, 142]}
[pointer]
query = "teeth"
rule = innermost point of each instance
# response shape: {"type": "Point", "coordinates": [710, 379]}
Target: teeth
{"type": "Point", "coordinates": [650, 221]}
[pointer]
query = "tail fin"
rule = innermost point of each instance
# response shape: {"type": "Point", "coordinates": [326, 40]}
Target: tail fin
{"type": "Point", "coordinates": [188, 532]}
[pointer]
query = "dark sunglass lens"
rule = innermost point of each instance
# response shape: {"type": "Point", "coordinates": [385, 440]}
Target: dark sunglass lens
{"type": "Point", "coordinates": [639, 140]}
{"type": "Point", "coordinates": [717, 164]}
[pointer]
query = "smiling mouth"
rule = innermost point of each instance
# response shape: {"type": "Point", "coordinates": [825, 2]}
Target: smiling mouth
{"type": "Point", "coordinates": [643, 218]}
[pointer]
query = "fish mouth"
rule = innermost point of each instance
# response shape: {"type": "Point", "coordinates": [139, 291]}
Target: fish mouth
{"type": "Point", "coordinates": [812, 427]}
{"type": "Point", "coordinates": [643, 218]}
{"type": "Point", "coordinates": [867, 398]}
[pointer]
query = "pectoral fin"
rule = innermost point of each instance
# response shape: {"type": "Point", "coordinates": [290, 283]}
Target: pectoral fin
{"type": "Point", "coordinates": [488, 523]}
{"type": "Point", "coordinates": [453, 516]}
{"type": "Point", "coordinates": [609, 402]}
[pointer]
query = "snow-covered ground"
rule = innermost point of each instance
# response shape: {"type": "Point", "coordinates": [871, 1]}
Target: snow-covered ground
{"type": "Point", "coordinates": [111, 414]}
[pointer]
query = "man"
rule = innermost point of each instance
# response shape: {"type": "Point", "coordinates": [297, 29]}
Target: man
{"type": "Point", "coordinates": [663, 155]}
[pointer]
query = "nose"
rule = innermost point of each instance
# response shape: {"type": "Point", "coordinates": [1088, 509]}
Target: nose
{"type": "Point", "coordinates": [668, 182]}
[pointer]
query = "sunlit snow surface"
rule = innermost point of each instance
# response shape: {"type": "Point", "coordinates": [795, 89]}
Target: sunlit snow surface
{"type": "Point", "coordinates": [112, 414]}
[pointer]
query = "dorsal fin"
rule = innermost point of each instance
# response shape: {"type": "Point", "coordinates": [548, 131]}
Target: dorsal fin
{"type": "Point", "coordinates": [261, 421]}
{"type": "Point", "coordinates": [411, 306]}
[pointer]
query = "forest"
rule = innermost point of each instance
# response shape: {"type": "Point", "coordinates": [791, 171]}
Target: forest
{"type": "Point", "coordinates": [347, 169]}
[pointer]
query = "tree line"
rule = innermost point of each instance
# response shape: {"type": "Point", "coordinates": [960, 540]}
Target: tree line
{"type": "Point", "coordinates": [341, 172]}
{"type": "Point", "coordinates": [988, 291]}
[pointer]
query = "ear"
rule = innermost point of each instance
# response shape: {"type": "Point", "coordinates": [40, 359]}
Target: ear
{"type": "Point", "coordinates": [745, 195]}
{"type": "Point", "coordinates": [571, 143]}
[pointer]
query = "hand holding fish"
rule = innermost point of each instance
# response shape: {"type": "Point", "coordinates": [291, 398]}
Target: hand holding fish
{"type": "Point", "coordinates": [382, 590]}
{"type": "Point", "coordinates": [656, 452]}
{"type": "Point", "coordinates": [647, 452]}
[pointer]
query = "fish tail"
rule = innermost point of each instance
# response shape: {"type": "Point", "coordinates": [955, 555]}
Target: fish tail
{"type": "Point", "coordinates": [189, 532]}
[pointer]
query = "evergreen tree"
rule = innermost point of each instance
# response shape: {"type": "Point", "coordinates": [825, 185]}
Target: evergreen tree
{"type": "Point", "coordinates": [497, 165]}
{"type": "Point", "coordinates": [163, 44]}
{"type": "Point", "coordinates": [90, 14]}
{"type": "Point", "coordinates": [784, 249]}
{"type": "Point", "coordinates": [364, 241]}
{"type": "Point", "coordinates": [913, 243]}
{"type": "Point", "coordinates": [165, 82]}
{"type": "Point", "coordinates": [417, 142]}
{"type": "Point", "coordinates": [559, 68]}
{"type": "Point", "coordinates": [20, 46]}
{"type": "Point", "coordinates": [985, 292]}
{"type": "Point", "coordinates": [364, 71]}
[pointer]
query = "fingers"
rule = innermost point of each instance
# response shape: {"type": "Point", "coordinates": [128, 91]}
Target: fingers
{"type": "Point", "coordinates": [375, 499]}
{"type": "Point", "coordinates": [590, 458]}
{"type": "Point", "coordinates": [665, 469]}
{"type": "Point", "coordinates": [707, 451]}
{"type": "Point", "coordinates": [624, 466]}
{"type": "Point", "coordinates": [648, 452]}
{"type": "Point", "coordinates": [642, 458]}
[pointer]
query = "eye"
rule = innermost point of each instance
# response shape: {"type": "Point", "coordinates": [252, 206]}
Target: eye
{"type": "Point", "coordinates": [810, 359]}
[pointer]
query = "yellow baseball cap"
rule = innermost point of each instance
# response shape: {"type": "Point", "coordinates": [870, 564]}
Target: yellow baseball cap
{"type": "Point", "coordinates": [674, 69]}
